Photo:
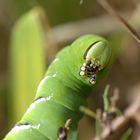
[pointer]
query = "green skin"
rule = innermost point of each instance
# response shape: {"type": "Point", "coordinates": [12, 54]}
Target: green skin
{"type": "Point", "coordinates": [62, 91]}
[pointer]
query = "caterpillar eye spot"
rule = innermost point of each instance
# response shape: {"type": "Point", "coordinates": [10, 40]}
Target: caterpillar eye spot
{"type": "Point", "coordinates": [91, 65]}
{"type": "Point", "coordinates": [92, 81]}
{"type": "Point", "coordinates": [84, 64]}
{"type": "Point", "coordinates": [82, 73]}
{"type": "Point", "coordinates": [83, 68]}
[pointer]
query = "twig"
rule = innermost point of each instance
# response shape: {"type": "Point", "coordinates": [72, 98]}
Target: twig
{"type": "Point", "coordinates": [129, 28]}
{"type": "Point", "coordinates": [88, 112]}
{"type": "Point", "coordinates": [131, 113]}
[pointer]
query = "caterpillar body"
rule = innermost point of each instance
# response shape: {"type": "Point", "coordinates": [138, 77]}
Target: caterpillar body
{"type": "Point", "coordinates": [65, 87]}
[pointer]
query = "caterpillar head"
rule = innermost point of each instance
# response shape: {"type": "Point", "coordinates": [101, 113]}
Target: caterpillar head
{"type": "Point", "coordinates": [96, 58]}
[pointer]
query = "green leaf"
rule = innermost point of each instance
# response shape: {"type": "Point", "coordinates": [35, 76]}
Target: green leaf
{"type": "Point", "coordinates": [27, 63]}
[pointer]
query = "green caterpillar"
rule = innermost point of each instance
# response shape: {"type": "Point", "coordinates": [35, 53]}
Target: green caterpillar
{"type": "Point", "coordinates": [76, 70]}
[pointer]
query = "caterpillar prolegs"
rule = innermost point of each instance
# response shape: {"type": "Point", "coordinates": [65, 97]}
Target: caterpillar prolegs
{"type": "Point", "coordinates": [65, 87]}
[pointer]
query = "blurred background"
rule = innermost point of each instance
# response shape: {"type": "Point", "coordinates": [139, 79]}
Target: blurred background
{"type": "Point", "coordinates": [33, 31]}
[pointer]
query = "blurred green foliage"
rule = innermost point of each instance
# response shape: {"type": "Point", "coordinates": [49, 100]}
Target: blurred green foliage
{"type": "Point", "coordinates": [58, 11]}
{"type": "Point", "coordinates": [27, 62]}
{"type": "Point", "coordinates": [127, 134]}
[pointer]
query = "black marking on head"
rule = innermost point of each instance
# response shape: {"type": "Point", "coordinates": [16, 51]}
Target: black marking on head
{"type": "Point", "coordinates": [85, 54]}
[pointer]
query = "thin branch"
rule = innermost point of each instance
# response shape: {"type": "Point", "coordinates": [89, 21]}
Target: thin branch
{"type": "Point", "coordinates": [109, 8]}
{"type": "Point", "coordinates": [131, 113]}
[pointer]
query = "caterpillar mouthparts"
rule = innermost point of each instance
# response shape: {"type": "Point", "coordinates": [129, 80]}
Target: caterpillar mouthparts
{"type": "Point", "coordinates": [90, 70]}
